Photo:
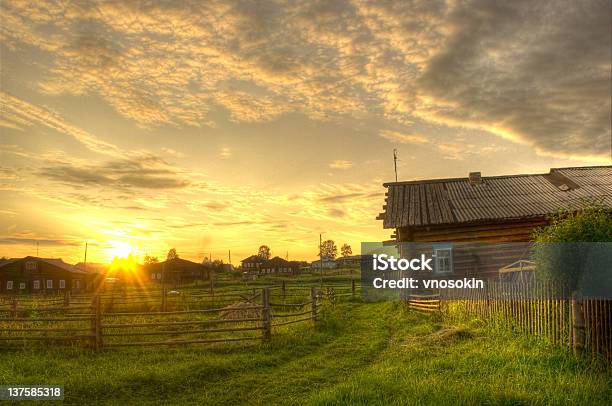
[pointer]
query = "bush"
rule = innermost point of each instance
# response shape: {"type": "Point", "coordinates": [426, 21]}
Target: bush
{"type": "Point", "coordinates": [575, 249]}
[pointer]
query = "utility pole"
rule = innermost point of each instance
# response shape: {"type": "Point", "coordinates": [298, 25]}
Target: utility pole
{"type": "Point", "coordinates": [395, 162]}
{"type": "Point", "coordinates": [37, 248]}
{"type": "Point", "coordinates": [321, 256]}
{"type": "Point", "coordinates": [229, 256]}
{"type": "Point", "coordinates": [85, 260]}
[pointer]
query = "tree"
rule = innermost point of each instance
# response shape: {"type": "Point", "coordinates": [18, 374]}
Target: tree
{"type": "Point", "coordinates": [328, 249]}
{"type": "Point", "coordinates": [572, 249]}
{"type": "Point", "coordinates": [148, 260]}
{"type": "Point", "coordinates": [346, 250]}
{"type": "Point", "coordinates": [264, 252]}
{"type": "Point", "coordinates": [172, 254]}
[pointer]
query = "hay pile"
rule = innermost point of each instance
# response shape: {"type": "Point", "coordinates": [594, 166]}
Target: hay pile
{"type": "Point", "coordinates": [240, 310]}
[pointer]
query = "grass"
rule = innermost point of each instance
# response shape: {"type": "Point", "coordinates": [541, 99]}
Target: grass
{"type": "Point", "coordinates": [358, 353]}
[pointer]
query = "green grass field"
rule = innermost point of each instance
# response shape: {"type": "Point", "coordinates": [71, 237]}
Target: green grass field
{"type": "Point", "coordinates": [358, 353]}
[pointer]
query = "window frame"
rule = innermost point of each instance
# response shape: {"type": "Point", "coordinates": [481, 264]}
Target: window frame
{"type": "Point", "coordinates": [9, 285]}
{"type": "Point", "coordinates": [437, 262]}
{"type": "Point", "coordinates": [49, 283]}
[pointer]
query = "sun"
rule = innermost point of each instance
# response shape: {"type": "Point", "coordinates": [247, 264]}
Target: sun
{"type": "Point", "coordinates": [120, 249]}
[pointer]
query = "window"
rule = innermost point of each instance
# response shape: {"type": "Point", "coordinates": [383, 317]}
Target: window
{"type": "Point", "coordinates": [443, 259]}
{"type": "Point", "coordinates": [159, 276]}
{"type": "Point", "coordinates": [76, 283]}
{"type": "Point", "coordinates": [9, 285]}
{"type": "Point", "coordinates": [153, 275]}
{"type": "Point", "coordinates": [36, 284]}
{"type": "Point", "coordinates": [49, 283]}
{"type": "Point", "coordinates": [62, 284]}
{"type": "Point", "coordinates": [21, 285]}
{"type": "Point", "coordinates": [31, 265]}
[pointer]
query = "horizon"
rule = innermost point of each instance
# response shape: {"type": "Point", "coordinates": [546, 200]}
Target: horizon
{"type": "Point", "coordinates": [216, 127]}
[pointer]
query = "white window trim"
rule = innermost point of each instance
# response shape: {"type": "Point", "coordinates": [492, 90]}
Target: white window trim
{"type": "Point", "coordinates": [22, 285]}
{"type": "Point", "coordinates": [62, 284]}
{"type": "Point", "coordinates": [49, 284]}
{"type": "Point", "coordinates": [36, 285]}
{"type": "Point", "coordinates": [437, 259]}
{"type": "Point", "coordinates": [9, 285]}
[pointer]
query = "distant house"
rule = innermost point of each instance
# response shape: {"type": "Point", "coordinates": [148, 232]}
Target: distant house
{"type": "Point", "coordinates": [44, 275]}
{"type": "Point", "coordinates": [352, 261]}
{"type": "Point", "coordinates": [325, 262]}
{"type": "Point", "coordinates": [280, 265]}
{"type": "Point", "coordinates": [458, 219]}
{"type": "Point", "coordinates": [252, 263]}
{"type": "Point", "coordinates": [176, 271]}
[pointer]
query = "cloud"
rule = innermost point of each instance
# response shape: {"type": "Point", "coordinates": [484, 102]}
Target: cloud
{"type": "Point", "coordinates": [40, 241]}
{"type": "Point", "coordinates": [22, 114]}
{"type": "Point", "coordinates": [225, 153]}
{"type": "Point", "coordinates": [536, 73]}
{"type": "Point", "coordinates": [341, 164]}
{"type": "Point", "coordinates": [173, 153]}
{"type": "Point", "coordinates": [402, 138]}
{"type": "Point", "coordinates": [141, 171]}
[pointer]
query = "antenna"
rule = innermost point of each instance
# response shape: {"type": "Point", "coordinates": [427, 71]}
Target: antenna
{"type": "Point", "coordinates": [395, 162]}
{"type": "Point", "coordinates": [229, 256]}
{"type": "Point", "coordinates": [85, 261]}
{"type": "Point", "coordinates": [37, 248]}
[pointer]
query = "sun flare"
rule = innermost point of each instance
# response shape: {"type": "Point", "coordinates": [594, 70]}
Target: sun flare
{"type": "Point", "coordinates": [120, 249]}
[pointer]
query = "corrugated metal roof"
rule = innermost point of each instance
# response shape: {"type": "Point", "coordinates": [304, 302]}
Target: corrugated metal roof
{"type": "Point", "coordinates": [457, 200]}
{"type": "Point", "coordinates": [57, 262]}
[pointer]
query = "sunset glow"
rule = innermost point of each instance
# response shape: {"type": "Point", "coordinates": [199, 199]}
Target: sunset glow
{"type": "Point", "coordinates": [221, 126]}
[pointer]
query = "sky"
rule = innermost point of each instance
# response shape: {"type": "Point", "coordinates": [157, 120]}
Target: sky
{"type": "Point", "coordinates": [215, 126]}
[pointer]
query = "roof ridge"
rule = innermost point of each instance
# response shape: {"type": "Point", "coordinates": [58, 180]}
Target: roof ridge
{"type": "Point", "coordinates": [440, 180]}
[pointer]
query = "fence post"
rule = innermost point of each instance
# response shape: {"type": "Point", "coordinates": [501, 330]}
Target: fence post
{"type": "Point", "coordinates": [353, 287]}
{"type": "Point", "coordinates": [96, 324]}
{"type": "Point", "coordinates": [283, 289]}
{"type": "Point", "coordinates": [313, 306]}
{"type": "Point", "coordinates": [164, 298]}
{"type": "Point", "coordinates": [577, 325]}
{"type": "Point", "coordinates": [267, 322]}
{"type": "Point", "coordinates": [14, 308]}
{"type": "Point", "coordinates": [66, 298]}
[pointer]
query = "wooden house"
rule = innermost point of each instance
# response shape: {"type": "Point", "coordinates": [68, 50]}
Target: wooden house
{"type": "Point", "coordinates": [176, 271]}
{"type": "Point", "coordinates": [477, 225]}
{"type": "Point", "coordinates": [280, 265]}
{"type": "Point", "coordinates": [325, 263]}
{"type": "Point", "coordinates": [352, 261]}
{"type": "Point", "coordinates": [252, 263]}
{"type": "Point", "coordinates": [44, 275]}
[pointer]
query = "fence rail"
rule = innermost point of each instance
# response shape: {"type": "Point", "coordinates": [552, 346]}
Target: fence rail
{"type": "Point", "coordinates": [111, 321]}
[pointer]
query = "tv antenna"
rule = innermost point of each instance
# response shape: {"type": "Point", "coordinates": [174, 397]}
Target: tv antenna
{"type": "Point", "coordinates": [395, 162]}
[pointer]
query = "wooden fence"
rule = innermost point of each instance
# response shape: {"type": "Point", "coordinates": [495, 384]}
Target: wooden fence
{"type": "Point", "coordinates": [106, 321]}
{"type": "Point", "coordinates": [537, 308]}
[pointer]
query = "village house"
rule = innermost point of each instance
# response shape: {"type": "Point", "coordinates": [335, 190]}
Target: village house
{"type": "Point", "coordinates": [252, 263]}
{"type": "Point", "coordinates": [176, 271]}
{"type": "Point", "coordinates": [324, 262]}
{"type": "Point", "coordinates": [477, 225]}
{"type": "Point", "coordinates": [44, 275]}
{"type": "Point", "coordinates": [280, 265]}
{"type": "Point", "coordinates": [352, 261]}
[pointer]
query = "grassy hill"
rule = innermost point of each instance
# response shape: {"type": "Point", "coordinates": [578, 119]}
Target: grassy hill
{"type": "Point", "coordinates": [376, 353]}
